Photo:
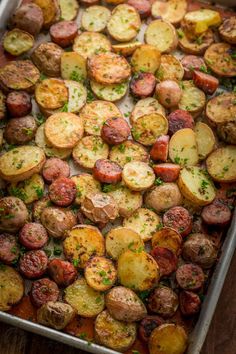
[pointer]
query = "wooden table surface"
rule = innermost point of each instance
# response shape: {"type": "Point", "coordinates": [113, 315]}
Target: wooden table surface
{"type": "Point", "coordinates": [221, 338]}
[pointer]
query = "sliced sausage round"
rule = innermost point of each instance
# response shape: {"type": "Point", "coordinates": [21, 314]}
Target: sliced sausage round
{"type": "Point", "coordinates": [18, 104]}
{"type": "Point", "coordinates": [33, 236]}
{"type": "Point", "coordinates": [62, 191]}
{"type": "Point", "coordinates": [179, 219]}
{"type": "Point", "coordinates": [143, 85]}
{"type": "Point", "coordinates": [168, 172]}
{"type": "Point", "coordinates": [115, 131]}
{"type": "Point", "coordinates": [164, 301]}
{"type": "Point", "coordinates": [20, 131]}
{"type": "Point", "coordinates": [217, 214]}
{"type": "Point", "coordinates": [33, 264]}
{"type": "Point", "coordinates": [9, 248]}
{"type": "Point", "coordinates": [55, 168]}
{"type": "Point", "coordinates": [147, 325]}
{"type": "Point", "coordinates": [190, 277]}
{"type": "Point", "coordinates": [62, 272]}
{"type": "Point", "coordinates": [107, 171]}
{"type": "Point", "coordinates": [142, 6]}
{"type": "Point", "coordinates": [180, 119]}
{"type": "Point", "coordinates": [159, 150]}
{"type": "Point", "coordinates": [205, 82]}
{"type": "Point", "coordinates": [166, 260]}
{"type": "Point", "coordinates": [64, 32]}
{"type": "Point", "coordinates": [189, 302]}
{"type": "Point", "coordinates": [191, 63]}
{"type": "Point", "coordinates": [43, 291]}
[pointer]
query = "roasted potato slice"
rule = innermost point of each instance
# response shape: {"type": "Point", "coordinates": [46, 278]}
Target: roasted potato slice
{"type": "Point", "coordinates": [114, 2]}
{"type": "Point", "coordinates": [114, 334]}
{"type": "Point", "coordinates": [205, 140]}
{"type": "Point", "coordinates": [196, 46]}
{"type": "Point", "coordinates": [85, 184]}
{"type": "Point", "coordinates": [227, 132]}
{"type": "Point", "coordinates": [19, 75]}
{"type": "Point", "coordinates": [124, 23]}
{"type": "Point", "coordinates": [162, 197]}
{"type": "Point", "coordinates": [29, 190]}
{"type": "Point", "coordinates": [121, 239]}
{"type": "Point", "coordinates": [95, 18]}
{"type": "Point", "coordinates": [183, 148]}
{"type": "Point", "coordinates": [162, 35]}
{"type": "Point", "coordinates": [221, 164]}
{"type": "Point", "coordinates": [111, 93]}
{"type": "Point", "coordinates": [49, 150]}
{"type": "Point", "coordinates": [221, 109]}
{"type": "Point", "coordinates": [55, 314]}
{"type": "Point", "coordinates": [90, 43]}
{"type": "Point", "coordinates": [138, 176]}
{"type": "Point", "coordinates": [220, 59]}
{"type": "Point", "coordinates": [50, 10]}
{"type": "Point", "coordinates": [64, 130]}
{"type": "Point", "coordinates": [146, 58]}
{"type": "Point", "coordinates": [51, 93]}
{"type": "Point", "coordinates": [73, 66]}
{"type": "Point", "coordinates": [21, 163]}
{"type": "Point", "coordinates": [145, 106]}
{"type": "Point", "coordinates": [86, 301]}
{"type": "Point", "coordinates": [100, 273]}
{"type": "Point", "coordinates": [12, 287]}
{"type": "Point", "coordinates": [172, 11]}
{"type": "Point", "coordinates": [127, 152]}
{"type": "Point", "coordinates": [69, 9]}
{"type": "Point", "coordinates": [197, 22]}
{"type": "Point", "coordinates": [193, 99]}
{"type": "Point", "coordinates": [167, 238]}
{"type": "Point", "coordinates": [17, 42]}
{"type": "Point", "coordinates": [196, 185]}
{"type": "Point", "coordinates": [228, 30]}
{"type": "Point", "coordinates": [89, 150]}
{"type": "Point", "coordinates": [3, 109]}
{"type": "Point", "coordinates": [77, 96]}
{"type": "Point", "coordinates": [144, 222]}
{"type": "Point", "coordinates": [168, 338]}
{"type": "Point", "coordinates": [170, 69]}
{"type": "Point", "coordinates": [82, 242]}
{"type": "Point", "coordinates": [137, 270]}
{"type": "Point", "coordinates": [126, 49]}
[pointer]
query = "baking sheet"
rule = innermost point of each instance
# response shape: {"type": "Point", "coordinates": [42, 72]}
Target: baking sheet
{"type": "Point", "coordinates": [199, 333]}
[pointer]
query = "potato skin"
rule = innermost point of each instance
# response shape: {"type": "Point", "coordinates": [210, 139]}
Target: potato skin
{"type": "Point", "coordinates": [163, 197]}
{"type": "Point", "coordinates": [20, 131]}
{"type": "Point", "coordinates": [47, 58]}
{"type": "Point", "coordinates": [124, 305]}
{"type": "Point", "coordinates": [13, 214]}
{"type": "Point", "coordinates": [55, 314]}
{"type": "Point", "coordinates": [12, 289]}
{"type": "Point", "coordinates": [163, 301]}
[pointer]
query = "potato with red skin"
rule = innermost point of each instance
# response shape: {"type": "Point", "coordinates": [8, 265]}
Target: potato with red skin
{"type": "Point", "coordinates": [55, 168]}
{"type": "Point", "coordinates": [160, 148]}
{"type": "Point", "coordinates": [20, 131]}
{"type": "Point", "coordinates": [216, 213]}
{"type": "Point", "coordinates": [189, 303]}
{"type": "Point", "coordinates": [143, 85]}
{"type": "Point", "coordinates": [18, 103]}
{"type": "Point", "coordinates": [167, 172]}
{"type": "Point", "coordinates": [9, 248]}
{"type": "Point", "coordinates": [107, 171]}
{"type": "Point", "coordinates": [163, 301]}
{"type": "Point", "coordinates": [190, 277]}
{"type": "Point", "coordinates": [179, 219]}
{"type": "Point", "coordinates": [33, 264]}
{"type": "Point", "coordinates": [205, 82]}
{"type": "Point", "coordinates": [89, 2]}
{"type": "Point", "coordinates": [43, 291]}
{"type": "Point", "coordinates": [62, 191]}
{"type": "Point", "coordinates": [179, 119]}
{"type": "Point", "coordinates": [47, 58]}
{"type": "Point", "coordinates": [63, 33]}
{"type": "Point", "coordinates": [147, 325]}
{"type": "Point", "coordinates": [13, 214]}
{"type": "Point", "coordinates": [168, 93]}
{"type": "Point", "coordinates": [33, 236]}
{"type": "Point", "coordinates": [62, 272]}
{"type": "Point", "coordinates": [166, 260]}
{"type": "Point", "coordinates": [191, 63]}
{"type": "Point", "coordinates": [142, 6]}
{"type": "Point", "coordinates": [115, 131]}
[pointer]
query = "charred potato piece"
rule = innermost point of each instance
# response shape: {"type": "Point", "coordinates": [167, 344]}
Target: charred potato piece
{"type": "Point", "coordinates": [196, 46]}
{"type": "Point", "coordinates": [17, 42]}
{"type": "Point", "coordinates": [228, 30]}
{"type": "Point", "coordinates": [13, 214]}
{"type": "Point", "coordinates": [220, 59]}
{"type": "Point", "coordinates": [221, 109]}
{"type": "Point", "coordinates": [12, 287]}
{"type": "Point", "coordinates": [50, 11]}
{"type": "Point", "coordinates": [47, 58]}
{"type": "Point", "coordinates": [168, 338]}
{"type": "Point", "coordinates": [57, 221]}
{"type": "Point", "coordinates": [55, 314]}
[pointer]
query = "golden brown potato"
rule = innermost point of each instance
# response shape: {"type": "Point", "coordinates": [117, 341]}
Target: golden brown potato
{"type": "Point", "coordinates": [17, 42]}
{"type": "Point", "coordinates": [219, 59]}
{"type": "Point", "coordinates": [162, 35]}
{"type": "Point", "coordinates": [195, 46]}
{"type": "Point", "coordinates": [55, 314]}
{"type": "Point", "coordinates": [12, 287]}
{"type": "Point", "coordinates": [50, 10]}
{"type": "Point", "coordinates": [51, 94]}
{"type": "Point", "coordinates": [100, 273]}
{"type": "Point", "coordinates": [221, 164]}
{"type": "Point", "coordinates": [228, 30]}
{"type": "Point", "coordinates": [168, 238]}
{"type": "Point", "coordinates": [169, 339]}
{"type": "Point", "coordinates": [146, 58]}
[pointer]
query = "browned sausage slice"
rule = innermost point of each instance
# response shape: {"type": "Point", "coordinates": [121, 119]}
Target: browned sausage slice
{"type": "Point", "coordinates": [62, 191]}
{"type": "Point", "coordinates": [33, 264]}
{"type": "Point", "coordinates": [115, 131]}
{"type": "Point", "coordinates": [191, 63]}
{"type": "Point", "coordinates": [62, 272]}
{"type": "Point", "coordinates": [147, 325]}
{"type": "Point", "coordinates": [166, 260]}
{"type": "Point", "coordinates": [64, 32]}
{"type": "Point", "coordinates": [55, 168]}
{"type": "Point", "coordinates": [42, 291]}
{"type": "Point", "coordinates": [205, 82]}
{"type": "Point", "coordinates": [217, 214]}
{"type": "Point", "coordinates": [179, 219]}
{"type": "Point", "coordinates": [9, 248]}
{"type": "Point", "coordinates": [159, 150]}
{"type": "Point", "coordinates": [190, 277]}
{"type": "Point", "coordinates": [142, 6]}
{"type": "Point", "coordinates": [168, 172]}
{"type": "Point", "coordinates": [180, 119]}
{"type": "Point", "coordinates": [18, 103]}
{"type": "Point", "coordinates": [190, 303]}
{"type": "Point", "coordinates": [33, 236]}
{"type": "Point", "coordinates": [107, 171]}
{"type": "Point", "coordinates": [144, 85]}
